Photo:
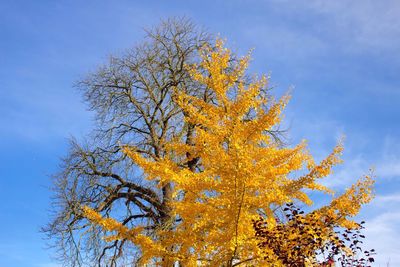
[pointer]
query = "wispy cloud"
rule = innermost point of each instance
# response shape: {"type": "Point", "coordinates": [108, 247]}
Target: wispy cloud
{"type": "Point", "coordinates": [383, 166]}
{"type": "Point", "coordinates": [383, 235]}
{"type": "Point", "coordinates": [389, 166]}
{"type": "Point", "coordinates": [383, 160]}
{"type": "Point", "coordinates": [364, 24]}
{"type": "Point", "coordinates": [391, 199]}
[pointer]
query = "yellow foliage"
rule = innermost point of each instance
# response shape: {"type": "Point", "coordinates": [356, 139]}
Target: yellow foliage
{"type": "Point", "coordinates": [244, 175]}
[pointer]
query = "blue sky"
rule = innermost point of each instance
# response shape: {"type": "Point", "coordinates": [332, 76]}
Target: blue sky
{"type": "Point", "coordinates": [339, 57]}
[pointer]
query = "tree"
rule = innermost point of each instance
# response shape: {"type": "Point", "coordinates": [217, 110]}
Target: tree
{"type": "Point", "coordinates": [241, 175]}
{"type": "Point", "coordinates": [300, 238]}
{"type": "Point", "coordinates": [131, 96]}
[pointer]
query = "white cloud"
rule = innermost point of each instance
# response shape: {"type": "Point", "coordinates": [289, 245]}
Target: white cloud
{"type": "Point", "coordinates": [390, 169]}
{"type": "Point", "coordinates": [381, 231]}
{"type": "Point", "coordinates": [384, 167]}
{"type": "Point", "coordinates": [392, 199]}
{"type": "Point", "coordinates": [365, 23]}
{"type": "Point", "coordinates": [389, 166]}
{"type": "Point", "coordinates": [382, 234]}
{"type": "Point", "coordinates": [384, 163]}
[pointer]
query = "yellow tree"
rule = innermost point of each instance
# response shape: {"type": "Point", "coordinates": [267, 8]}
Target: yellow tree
{"type": "Point", "coordinates": [242, 175]}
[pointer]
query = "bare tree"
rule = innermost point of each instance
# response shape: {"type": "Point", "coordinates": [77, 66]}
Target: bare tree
{"type": "Point", "coordinates": [132, 97]}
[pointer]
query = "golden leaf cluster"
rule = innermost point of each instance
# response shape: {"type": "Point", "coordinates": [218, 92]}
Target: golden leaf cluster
{"type": "Point", "coordinates": [243, 174]}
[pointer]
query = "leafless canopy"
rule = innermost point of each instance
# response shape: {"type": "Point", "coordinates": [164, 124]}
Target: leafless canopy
{"type": "Point", "coordinates": [132, 97]}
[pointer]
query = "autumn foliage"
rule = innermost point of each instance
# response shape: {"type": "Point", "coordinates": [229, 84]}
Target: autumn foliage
{"type": "Point", "coordinates": [300, 239]}
{"type": "Point", "coordinates": [226, 212]}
